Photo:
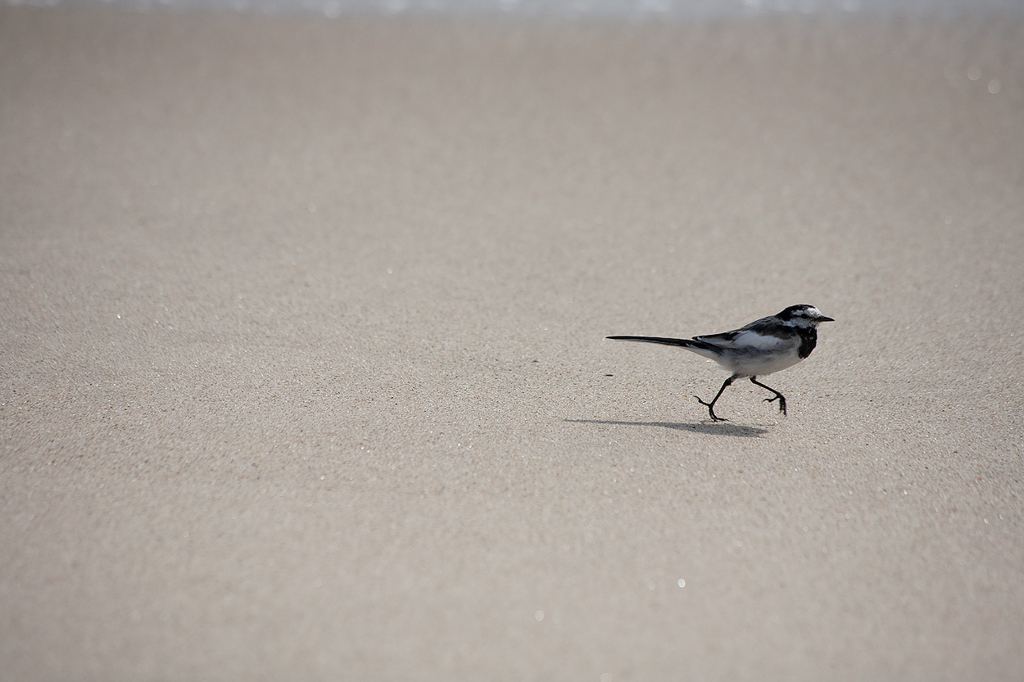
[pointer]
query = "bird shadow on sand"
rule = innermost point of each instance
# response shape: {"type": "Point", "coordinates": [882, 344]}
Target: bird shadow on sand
{"type": "Point", "coordinates": [709, 428]}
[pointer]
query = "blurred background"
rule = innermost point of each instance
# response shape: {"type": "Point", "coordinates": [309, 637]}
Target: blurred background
{"type": "Point", "coordinates": [613, 9]}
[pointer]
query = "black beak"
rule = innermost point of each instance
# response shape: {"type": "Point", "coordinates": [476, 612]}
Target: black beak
{"type": "Point", "coordinates": [825, 319]}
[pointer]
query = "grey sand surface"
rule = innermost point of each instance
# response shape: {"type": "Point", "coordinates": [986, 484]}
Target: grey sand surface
{"type": "Point", "coordinates": [302, 370]}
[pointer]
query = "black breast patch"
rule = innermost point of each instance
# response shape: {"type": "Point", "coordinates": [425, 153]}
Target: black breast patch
{"type": "Point", "coordinates": [808, 340]}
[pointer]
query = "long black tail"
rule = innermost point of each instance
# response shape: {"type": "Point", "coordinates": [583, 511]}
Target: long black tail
{"type": "Point", "coordinates": [685, 343]}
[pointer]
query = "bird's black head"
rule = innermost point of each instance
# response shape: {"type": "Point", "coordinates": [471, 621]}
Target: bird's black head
{"type": "Point", "coordinates": [803, 314]}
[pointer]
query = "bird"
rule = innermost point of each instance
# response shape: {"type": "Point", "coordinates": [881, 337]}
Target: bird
{"type": "Point", "coordinates": [763, 347]}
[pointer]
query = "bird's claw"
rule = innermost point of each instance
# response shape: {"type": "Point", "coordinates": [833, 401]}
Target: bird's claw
{"type": "Point", "coordinates": [711, 410]}
{"type": "Point", "coordinates": [782, 403]}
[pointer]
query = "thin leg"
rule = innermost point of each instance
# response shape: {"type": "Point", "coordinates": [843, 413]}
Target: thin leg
{"type": "Point", "coordinates": [778, 396]}
{"type": "Point", "coordinates": [711, 405]}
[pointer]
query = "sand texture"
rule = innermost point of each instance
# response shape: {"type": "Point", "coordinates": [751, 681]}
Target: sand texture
{"type": "Point", "coordinates": [303, 372]}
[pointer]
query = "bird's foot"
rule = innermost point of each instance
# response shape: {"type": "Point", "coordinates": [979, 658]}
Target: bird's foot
{"type": "Point", "coordinates": [782, 402]}
{"type": "Point", "coordinates": [711, 410]}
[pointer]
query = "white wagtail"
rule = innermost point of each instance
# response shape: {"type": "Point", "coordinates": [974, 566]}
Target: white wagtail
{"type": "Point", "coordinates": [762, 347]}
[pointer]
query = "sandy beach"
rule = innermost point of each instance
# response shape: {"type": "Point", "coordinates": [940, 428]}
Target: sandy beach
{"type": "Point", "coordinates": [303, 372]}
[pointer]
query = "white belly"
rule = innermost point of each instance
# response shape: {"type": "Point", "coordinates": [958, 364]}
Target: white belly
{"type": "Point", "coordinates": [755, 363]}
